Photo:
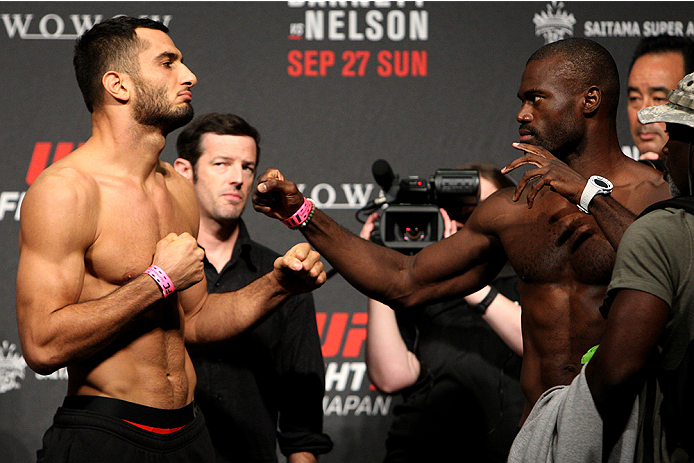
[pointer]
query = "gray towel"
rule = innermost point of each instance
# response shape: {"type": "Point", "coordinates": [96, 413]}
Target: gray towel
{"type": "Point", "coordinates": [565, 427]}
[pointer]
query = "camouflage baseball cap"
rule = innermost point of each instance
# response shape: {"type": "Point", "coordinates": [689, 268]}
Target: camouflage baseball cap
{"type": "Point", "coordinates": [680, 106]}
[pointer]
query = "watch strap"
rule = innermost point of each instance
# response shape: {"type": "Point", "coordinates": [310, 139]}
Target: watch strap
{"type": "Point", "coordinates": [481, 307]}
{"type": "Point", "coordinates": [591, 189]}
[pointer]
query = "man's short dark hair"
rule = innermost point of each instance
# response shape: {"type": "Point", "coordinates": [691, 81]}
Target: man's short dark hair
{"type": "Point", "coordinates": [188, 142]}
{"type": "Point", "coordinates": [110, 45]}
{"type": "Point", "coordinates": [666, 44]}
{"type": "Point", "coordinates": [587, 63]}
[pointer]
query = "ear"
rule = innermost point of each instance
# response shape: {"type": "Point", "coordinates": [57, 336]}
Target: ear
{"type": "Point", "coordinates": [592, 100]}
{"type": "Point", "coordinates": [185, 168]}
{"type": "Point", "coordinates": [117, 85]}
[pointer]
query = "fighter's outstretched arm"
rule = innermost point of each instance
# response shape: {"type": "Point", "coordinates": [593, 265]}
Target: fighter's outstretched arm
{"type": "Point", "coordinates": [453, 266]}
{"type": "Point", "coordinates": [216, 317]}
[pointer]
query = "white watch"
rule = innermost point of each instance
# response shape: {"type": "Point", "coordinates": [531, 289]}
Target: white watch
{"type": "Point", "coordinates": [596, 186]}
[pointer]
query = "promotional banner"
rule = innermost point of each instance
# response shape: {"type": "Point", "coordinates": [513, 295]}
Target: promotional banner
{"type": "Point", "coordinates": [332, 87]}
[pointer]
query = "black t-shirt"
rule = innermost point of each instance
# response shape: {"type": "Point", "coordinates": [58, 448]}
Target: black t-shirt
{"type": "Point", "coordinates": [467, 403]}
{"type": "Point", "coordinates": [275, 369]}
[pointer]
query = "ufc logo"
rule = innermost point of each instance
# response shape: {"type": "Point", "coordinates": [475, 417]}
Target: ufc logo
{"type": "Point", "coordinates": [342, 326]}
{"type": "Point", "coordinates": [41, 154]}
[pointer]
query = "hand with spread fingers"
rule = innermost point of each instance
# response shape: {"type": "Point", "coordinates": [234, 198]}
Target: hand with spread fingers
{"type": "Point", "coordinates": [551, 172]}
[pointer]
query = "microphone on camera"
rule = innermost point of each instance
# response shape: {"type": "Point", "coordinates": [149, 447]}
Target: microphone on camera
{"type": "Point", "coordinates": [387, 180]}
{"type": "Point", "coordinates": [383, 174]}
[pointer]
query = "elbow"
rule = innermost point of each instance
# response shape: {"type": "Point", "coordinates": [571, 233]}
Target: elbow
{"type": "Point", "coordinates": [43, 358]}
{"type": "Point", "coordinates": [41, 361]}
{"type": "Point", "coordinates": [384, 385]}
{"type": "Point", "coordinates": [390, 383]}
{"type": "Point", "coordinates": [41, 352]}
{"type": "Point", "coordinates": [386, 389]}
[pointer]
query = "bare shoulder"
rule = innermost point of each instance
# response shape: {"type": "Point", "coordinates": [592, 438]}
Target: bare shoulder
{"type": "Point", "coordinates": [497, 211]}
{"type": "Point", "coordinates": [648, 174]}
{"type": "Point", "coordinates": [633, 173]}
{"type": "Point", "coordinates": [501, 202]}
{"type": "Point", "coordinates": [179, 186]}
{"type": "Point", "coordinates": [62, 184]}
{"type": "Point", "coordinates": [654, 185]}
{"type": "Point", "coordinates": [641, 186]}
{"type": "Point", "coordinates": [63, 200]}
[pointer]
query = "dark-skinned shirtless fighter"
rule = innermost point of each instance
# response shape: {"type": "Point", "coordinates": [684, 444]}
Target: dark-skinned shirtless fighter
{"type": "Point", "coordinates": [563, 256]}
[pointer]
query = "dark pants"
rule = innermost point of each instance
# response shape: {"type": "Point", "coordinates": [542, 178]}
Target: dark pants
{"type": "Point", "coordinates": [83, 432]}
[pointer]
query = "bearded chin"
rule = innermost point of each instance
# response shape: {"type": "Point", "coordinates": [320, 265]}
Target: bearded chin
{"type": "Point", "coordinates": [178, 118]}
{"type": "Point", "coordinates": [166, 121]}
{"type": "Point", "coordinates": [152, 110]}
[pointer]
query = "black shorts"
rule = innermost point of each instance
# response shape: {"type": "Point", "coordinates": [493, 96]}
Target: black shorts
{"type": "Point", "coordinates": [94, 429]}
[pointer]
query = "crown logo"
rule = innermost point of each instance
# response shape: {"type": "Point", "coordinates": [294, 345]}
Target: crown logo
{"type": "Point", "coordinates": [553, 24]}
{"type": "Point", "coordinates": [12, 366]}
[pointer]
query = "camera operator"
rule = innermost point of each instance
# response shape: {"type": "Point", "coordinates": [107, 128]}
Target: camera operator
{"type": "Point", "coordinates": [460, 382]}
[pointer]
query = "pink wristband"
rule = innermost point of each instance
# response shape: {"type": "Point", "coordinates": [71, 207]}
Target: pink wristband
{"type": "Point", "coordinates": [299, 216]}
{"type": "Point", "coordinates": [162, 279]}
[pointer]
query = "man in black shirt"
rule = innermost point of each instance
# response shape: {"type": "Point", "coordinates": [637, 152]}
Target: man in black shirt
{"type": "Point", "coordinates": [275, 371]}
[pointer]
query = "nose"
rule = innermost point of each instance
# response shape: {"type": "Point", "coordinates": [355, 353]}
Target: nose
{"type": "Point", "coordinates": [187, 76]}
{"type": "Point", "coordinates": [235, 174]}
{"type": "Point", "coordinates": [524, 115]}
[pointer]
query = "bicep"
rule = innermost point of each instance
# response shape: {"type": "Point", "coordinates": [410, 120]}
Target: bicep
{"type": "Point", "coordinates": [55, 232]}
{"type": "Point", "coordinates": [635, 323]}
{"type": "Point", "coordinates": [460, 264]}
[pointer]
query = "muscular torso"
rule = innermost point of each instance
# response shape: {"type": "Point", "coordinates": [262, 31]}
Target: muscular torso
{"type": "Point", "coordinates": [148, 363]}
{"type": "Point", "coordinates": [564, 264]}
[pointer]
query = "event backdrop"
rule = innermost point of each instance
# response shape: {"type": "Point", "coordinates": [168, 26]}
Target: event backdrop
{"type": "Point", "coordinates": [332, 86]}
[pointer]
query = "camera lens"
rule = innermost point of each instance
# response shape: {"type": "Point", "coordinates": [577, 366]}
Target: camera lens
{"type": "Point", "coordinates": [413, 234]}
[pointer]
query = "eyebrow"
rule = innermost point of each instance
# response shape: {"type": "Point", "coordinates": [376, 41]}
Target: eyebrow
{"type": "Point", "coordinates": [660, 88]}
{"type": "Point", "coordinates": [168, 54]}
{"type": "Point", "coordinates": [528, 92]}
{"type": "Point", "coordinates": [230, 158]}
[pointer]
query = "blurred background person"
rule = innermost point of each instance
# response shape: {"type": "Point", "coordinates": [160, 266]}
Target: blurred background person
{"type": "Point", "coordinates": [459, 379]}
{"type": "Point", "coordinates": [656, 67]}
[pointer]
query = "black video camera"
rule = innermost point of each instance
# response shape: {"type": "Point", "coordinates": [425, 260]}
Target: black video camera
{"type": "Point", "coordinates": [410, 217]}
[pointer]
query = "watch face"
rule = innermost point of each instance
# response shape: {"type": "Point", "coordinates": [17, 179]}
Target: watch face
{"type": "Point", "coordinates": [601, 183]}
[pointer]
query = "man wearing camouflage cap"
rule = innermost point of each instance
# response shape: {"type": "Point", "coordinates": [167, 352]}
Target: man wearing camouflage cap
{"type": "Point", "coordinates": [650, 327]}
{"type": "Point", "coordinates": [647, 350]}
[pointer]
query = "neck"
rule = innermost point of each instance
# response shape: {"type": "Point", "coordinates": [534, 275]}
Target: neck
{"type": "Point", "coordinates": [598, 153]}
{"type": "Point", "coordinates": [218, 239]}
{"type": "Point", "coordinates": [131, 148]}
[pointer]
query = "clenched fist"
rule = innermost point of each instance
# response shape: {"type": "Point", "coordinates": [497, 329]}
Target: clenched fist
{"type": "Point", "coordinates": [181, 258]}
{"type": "Point", "coordinates": [300, 269]}
{"type": "Point", "coordinates": [276, 197]}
